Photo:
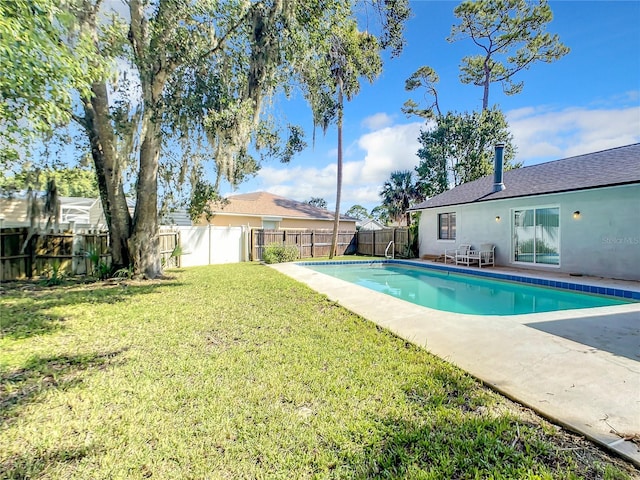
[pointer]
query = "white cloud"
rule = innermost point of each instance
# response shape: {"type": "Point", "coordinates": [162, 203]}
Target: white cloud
{"type": "Point", "coordinates": [377, 121]}
{"type": "Point", "coordinates": [389, 149]}
{"type": "Point", "coordinates": [300, 182]}
{"type": "Point", "coordinates": [543, 134]}
{"type": "Point", "coordinates": [379, 153]}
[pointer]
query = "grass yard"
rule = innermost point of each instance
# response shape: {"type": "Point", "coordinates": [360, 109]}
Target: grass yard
{"type": "Point", "coordinates": [238, 372]}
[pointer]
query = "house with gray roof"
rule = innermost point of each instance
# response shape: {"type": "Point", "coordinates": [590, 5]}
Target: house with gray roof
{"type": "Point", "coordinates": [579, 215]}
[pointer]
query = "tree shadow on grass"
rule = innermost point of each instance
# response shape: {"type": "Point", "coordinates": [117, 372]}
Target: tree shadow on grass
{"type": "Point", "coordinates": [25, 312]}
{"type": "Point", "coordinates": [31, 465]}
{"type": "Point", "coordinates": [450, 448]}
{"type": "Point", "coordinates": [27, 384]}
{"type": "Point", "coordinates": [457, 434]}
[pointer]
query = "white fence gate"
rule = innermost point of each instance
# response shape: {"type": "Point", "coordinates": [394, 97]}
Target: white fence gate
{"type": "Point", "coordinates": [209, 245]}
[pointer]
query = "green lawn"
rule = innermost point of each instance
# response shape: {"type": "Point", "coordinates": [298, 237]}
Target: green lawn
{"type": "Point", "coordinates": [236, 371]}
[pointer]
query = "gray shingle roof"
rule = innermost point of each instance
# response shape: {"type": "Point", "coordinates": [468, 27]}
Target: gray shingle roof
{"type": "Point", "coordinates": [616, 166]}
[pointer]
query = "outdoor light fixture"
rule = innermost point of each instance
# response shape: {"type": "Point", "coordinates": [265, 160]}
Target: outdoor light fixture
{"type": "Point", "coordinates": [576, 214]}
{"type": "Point", "coordinates": [497, 218]}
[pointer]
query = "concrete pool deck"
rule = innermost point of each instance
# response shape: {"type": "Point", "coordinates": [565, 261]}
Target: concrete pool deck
{"type": "Point", "coordinates": [578, 368]}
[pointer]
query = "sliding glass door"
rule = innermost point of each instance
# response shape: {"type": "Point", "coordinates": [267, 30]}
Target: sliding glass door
{"type": "Point", "coordinates": [536, 235]}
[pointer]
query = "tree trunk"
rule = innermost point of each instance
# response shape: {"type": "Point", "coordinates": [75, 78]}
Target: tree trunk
{"type": "Point", "coordinates": [154, 68]}
{"type": "Point", "coordinates": [109, 175]}
{"type": "Point", "coordinates": [487, 82]}
{"type": "Point", "coordinates": [97, 123]}
{"type": "Point", "coordinates": [144, 243]}
{"type": "Point", "coordinates": [336, 218]}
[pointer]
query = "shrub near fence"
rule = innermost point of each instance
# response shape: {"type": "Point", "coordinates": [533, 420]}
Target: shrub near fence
{"type": "Point", "coordinates": [310, 243]}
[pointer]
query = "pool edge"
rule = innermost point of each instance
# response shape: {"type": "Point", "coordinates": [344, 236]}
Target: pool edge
{"type": "Point", "coordinates": [622, 293]}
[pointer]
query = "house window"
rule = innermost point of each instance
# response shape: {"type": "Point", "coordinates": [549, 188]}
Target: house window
{"type": "Point", "coordinates": [536, 235]}
{"type": "Point", "coordinates": [447, 226]}
{"type": "Point", "coordinates": [270, 224]}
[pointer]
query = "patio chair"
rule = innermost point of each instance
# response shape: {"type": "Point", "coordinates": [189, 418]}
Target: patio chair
{"type": "Point", "coordinates": [487, 255]}
{"type": "Point", "coordinates": [464, 255]}
{"type": "Point", "coordinates": [450, 254]}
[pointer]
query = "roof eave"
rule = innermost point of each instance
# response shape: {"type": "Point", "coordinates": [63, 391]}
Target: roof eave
{"type": "Point", "coordinates": [551, 192]}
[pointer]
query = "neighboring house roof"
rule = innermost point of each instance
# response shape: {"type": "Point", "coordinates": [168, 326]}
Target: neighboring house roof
{"type": "Point", "coordinates": [79, 202]}
{"type": "Point", "coordinates": [179, 218]}
{"type": "Point", "coordinates": [616, 166]}
{"type": "Point", "coordinates": [265, 204]}
{"type": "Point", "coordinates": [369, 224]}
{"type": "Point", "coordinates": [75, 209]}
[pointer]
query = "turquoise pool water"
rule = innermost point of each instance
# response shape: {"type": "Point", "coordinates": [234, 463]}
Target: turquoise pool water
{"type": "Point", "coordinates": [452, 292]}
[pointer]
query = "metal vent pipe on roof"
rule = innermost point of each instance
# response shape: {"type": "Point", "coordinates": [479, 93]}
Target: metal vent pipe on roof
{"type": "Point", "coordinates": [498, 167]}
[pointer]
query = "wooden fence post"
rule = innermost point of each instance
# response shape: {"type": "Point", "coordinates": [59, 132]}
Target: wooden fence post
{"type": "Point", "coordinates": [395, 242]}
{"type": "Point", "coordinates": [373, 243]}
{"type": "Point", "coordinates": [179, 257]}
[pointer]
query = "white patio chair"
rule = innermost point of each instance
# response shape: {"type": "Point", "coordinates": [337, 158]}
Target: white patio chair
{"type": "Point", "coordinates": [487, 255]}
{"type": "Point", "coordinates": [464, 255]}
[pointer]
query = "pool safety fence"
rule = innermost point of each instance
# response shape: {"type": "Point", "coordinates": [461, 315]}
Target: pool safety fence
{"type": "Point", "coordinates": [375, 242]}
{"type": "Point", "coordinates": [310, 243]}
{"type": "Point", "coordinates": [317, 243]}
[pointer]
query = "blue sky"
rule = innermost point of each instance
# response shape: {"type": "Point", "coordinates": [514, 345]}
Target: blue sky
{"type": "Point", "coordinates": [587, 101]}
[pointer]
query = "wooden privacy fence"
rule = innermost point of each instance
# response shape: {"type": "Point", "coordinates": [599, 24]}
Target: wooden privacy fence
{"type": "Point", "coordinates": [169, 240]}
{"type": "Point", "coordinates": [69, 252]}
{"type": "Point", "coordinates": [310, 243]}
{"type": "Point", "coordinates": [375, 242]}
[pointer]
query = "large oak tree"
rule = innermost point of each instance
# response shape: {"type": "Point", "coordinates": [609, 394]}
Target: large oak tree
{"type": "Point", "coordinates": [188, 86]}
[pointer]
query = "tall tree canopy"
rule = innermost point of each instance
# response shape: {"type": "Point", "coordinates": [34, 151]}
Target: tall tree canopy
{"type": "Point", "coordinates": [460, 148]}
{"type": "Point", "coordinates": [358, 212]}
{"type": "Point", "coordinates": [349, 55]}
{"type": "Point", "coordinates": [512, 37]}
{"type": "Point", "coordinates": [43, 59]}
{"type": "Point", "coordinates": [317, 202]}
{"type": "Point", "coordinates": [188, 92]}
{"type": "Point", "coordinates": [427, 79]}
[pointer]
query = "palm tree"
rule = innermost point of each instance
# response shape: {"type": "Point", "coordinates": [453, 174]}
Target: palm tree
{"type": "Point", "coordinates": [399, 193]}
{"type": "Point", "coordinates": [350, 55]}
{"type": "Point", "coordinates": [354, 54]}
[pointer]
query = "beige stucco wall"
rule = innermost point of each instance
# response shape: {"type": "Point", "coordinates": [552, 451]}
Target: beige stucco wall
{"type": "Point", "coordinates": [301, 224]}
{"type": "Point", "coordinates": [285, 223]}
{"type": "Point", "coordinates": [604, 241]}
{"type": "Point", "coordinates": [231, 221]}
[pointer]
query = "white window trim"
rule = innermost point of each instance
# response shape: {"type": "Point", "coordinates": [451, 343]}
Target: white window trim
{"type": "Point", "coordinates": [446, 240]}
{"type": "Point", "coordinates": [512, 247]}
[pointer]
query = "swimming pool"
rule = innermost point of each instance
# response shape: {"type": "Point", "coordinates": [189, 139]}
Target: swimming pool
{"type": "Point", "coordinates": [459, 293]}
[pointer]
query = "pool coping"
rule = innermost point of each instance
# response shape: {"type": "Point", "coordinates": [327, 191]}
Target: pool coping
{"type": "Point", "coordinates": [547, 373]}
{"type": "Point", "coordinates": [575, 286]}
